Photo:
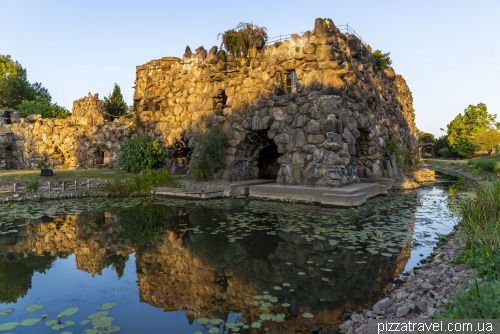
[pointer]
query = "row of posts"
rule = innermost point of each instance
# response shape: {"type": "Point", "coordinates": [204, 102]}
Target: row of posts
{"type": "Point", "coordinates": [63, 185]}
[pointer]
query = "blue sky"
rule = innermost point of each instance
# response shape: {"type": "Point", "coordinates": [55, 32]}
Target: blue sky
{"type": "Point", "coordinates": [448, 51]}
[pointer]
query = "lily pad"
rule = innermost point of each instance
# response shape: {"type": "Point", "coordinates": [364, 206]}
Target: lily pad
{"type": "Point", "coordinates": [34, 308]}
{"type": "Point", "coordinates": [29, 322]}
{"type": "Point", "coordinates": [51, 323]}
{"type": "Point", "coordinates": [107, 306]}
{"type": "Point", "coordinates": [285, 304]}
{"type": "Point", "coordinates": [301, 273]}
{"type": "Point", "coordinates": [213, 330]}
{"type": "Point", "coordinates": [84, 322]}
{"type": "Point", "coordinates": [256, 325]}
{"type": "Point", "coordinates": [69, 311]}
{"type": "Point", "coordinates": [98, 315]}
{"type": "Point", "coordinates": [203, 321]}
{"type": "Point", "coordinates": [277, 287]}
{"type": "Point", "coordinates": [9, 325]}
{"type": "Point", "coordinates": [7, 311]}
{"type": "Point", "coordinates": [307, 315]}
{"type": "Point", "coordinates": [66, 333]}
{"type": "Point", "coordinates": [216, 321]}
{"type": "Point", "coordinates": [58, 327]}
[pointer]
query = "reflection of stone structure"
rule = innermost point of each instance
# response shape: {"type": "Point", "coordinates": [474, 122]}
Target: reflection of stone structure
{"type": "Point", "coordinates": [90, 237]}
{"type": "Point", "coordinates": [329, 129]}
{"type": "Point", "coordinates": [207, 276]}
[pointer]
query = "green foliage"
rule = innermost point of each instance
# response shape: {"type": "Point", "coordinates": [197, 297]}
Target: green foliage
{"type": "Point", "coordinates": [140, 183]}
{"type": "Point", "coordinates": [41, 106]}
{"type": "Point", "coordinates": [382, 59]}
{"type": "Point", "coordinates": [145, 224]}
{"type": "Point", "coordinates": [209, 157]}
{"type": "Point", "coordinates": [118, 263]}
{"type": "Point", "coordinates": [442, 142]}
{"type": "Point", "coordinates": [481, 217]}
{"type": "Point", "coordinates": [445, 152]}
{"type": "Point", "coordinates": [392, 146]}
{"type": "Point", "coordinates": [140, 153]}
{"type": "Point", "coordinates": [14, 84]}
{"type": "Point", "coordinates": [484, 259]}
{"type": "Point", "coordinates": [351, 93]}
{"type": "Point", "coordinates": [239, 40]}
{"type": "Point", "coordinates": [464, 147]}
{"type": "Point", "coordinates": [114, 103]}
{"type": "Point", "coordinates": [464, 128]}
{"type": "Point", "coordinates": [32, 185]}
{"type": "Point", "coordinates": [487, 140]}
{"type": "Point", "coordinates": [479, 302]}
{"type": "Point", "coordinates": [425, 137]}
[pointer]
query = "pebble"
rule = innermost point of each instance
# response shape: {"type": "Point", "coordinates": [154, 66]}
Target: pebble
{"type": "Point", "coordinates": [402, 311]}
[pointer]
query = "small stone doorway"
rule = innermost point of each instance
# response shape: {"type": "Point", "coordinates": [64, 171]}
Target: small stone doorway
{"type": "Point", "coordinates": [268, 161]}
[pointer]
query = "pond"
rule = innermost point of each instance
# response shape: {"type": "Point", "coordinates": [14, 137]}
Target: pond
{"type": "Point", "coordinates": [219, 266]}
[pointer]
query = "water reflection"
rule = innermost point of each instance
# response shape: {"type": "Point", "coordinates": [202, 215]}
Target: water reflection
{"type": "Point", "coordinates": [181, 264]}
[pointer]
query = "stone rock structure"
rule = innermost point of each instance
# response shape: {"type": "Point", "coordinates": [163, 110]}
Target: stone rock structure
{"type": "Point", "coordinates": [316, 105]}
{"type": "Point", "coordinates": [86, 138]}
{"type": "Point", "coordinates": [89, 111]}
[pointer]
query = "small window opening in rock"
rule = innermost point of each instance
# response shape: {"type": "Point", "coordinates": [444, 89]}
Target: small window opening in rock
{"type": "Point", "coordinates": [7, 117]}
{"type": "Point", "coordinates": [268, 161]}
{"type": "Point", "coordinates": [219, 102]}
{"type": "Point", "coordinates": [291, 83]}
{"type": "Point", "coordinates": [181, 148]}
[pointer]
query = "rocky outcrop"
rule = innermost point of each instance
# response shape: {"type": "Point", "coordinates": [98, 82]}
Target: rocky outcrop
{"type": "Point", "coordinates": [328, 128]}
{"type": "Point", "coordinates": [85, 139]}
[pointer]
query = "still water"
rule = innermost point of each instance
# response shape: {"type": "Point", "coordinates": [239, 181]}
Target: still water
{"type": "Point", "coordinates": [178, 266]}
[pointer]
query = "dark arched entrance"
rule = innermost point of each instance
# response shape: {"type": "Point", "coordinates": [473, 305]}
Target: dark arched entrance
{"type": "Point", "coordinates": [268, 161]}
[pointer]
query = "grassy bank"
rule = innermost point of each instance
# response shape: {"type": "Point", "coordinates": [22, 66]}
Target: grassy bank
{"type": "Point", "coordinates": [486, 167]}
{"type": "Point", "coordinates": [7, 177]}
{"type": "Point", "coordinates": [480, 232]}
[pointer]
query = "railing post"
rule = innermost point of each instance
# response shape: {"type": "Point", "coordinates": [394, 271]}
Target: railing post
{"type": "Point", "coordinates": [48, 185]}
{"type": "Point", "coordinates": [62, 186]}
{"type": "Point", "coordinates": [88, 184]}
{"type": "Point", "coordinates": [15, 188]}
{"type": "Point", "coordinates": [76, 186]}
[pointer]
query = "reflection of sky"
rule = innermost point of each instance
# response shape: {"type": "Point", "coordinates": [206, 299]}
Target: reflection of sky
{"type": "Point", "coordinates": [432, 216]}
{"type": "Point", "coordinates": [63, 287]}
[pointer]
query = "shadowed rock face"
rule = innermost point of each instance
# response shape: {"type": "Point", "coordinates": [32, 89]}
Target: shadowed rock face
{"type": "Point", "coordinates": [330, 129]}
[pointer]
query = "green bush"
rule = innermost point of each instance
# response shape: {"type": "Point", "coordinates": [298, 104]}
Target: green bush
{"type": "Point", "coordinates": [141, 183]}
{"type": "Point", "coordinates": [464, 148]}
{"type": "Point", "coordinates": [479, 302]}
{"type": "Point", "coordinates": [392, 146]}
{"type": "Point", "coordinates": [497, 168]}
{"type": "Point", "coordinates": [239, 40]}
{"type": "Point", "coordinates": [141, 153]}
{"type": "Point", "coordinates": [32, 185]}
{"type": "Point", "coordinates": [445, 153]}
{"type": "Point", "coordinates": [382, 59]}
{"type": "Point", "coordinates": [486, 165]}
{"type": "Point", "coordinates": [484, 259]}
{"type": "Point", "coordinates": [210, 156]}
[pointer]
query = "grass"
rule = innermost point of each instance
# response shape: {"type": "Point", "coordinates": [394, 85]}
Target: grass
{"type": "Point", "coordinates": [7, 177]}
{"type": "Point", "coordinates": [483, 166]}
{"type": "Point", "coordinates": [480, 231]}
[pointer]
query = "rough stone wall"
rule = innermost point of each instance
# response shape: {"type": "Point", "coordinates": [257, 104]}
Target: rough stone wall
{"type": "Point", "coordinates": [89, 111]}
{"type": "Point", "coordinates": [84, 139]}
{"type": "Point", "coordinates": [330, 130]}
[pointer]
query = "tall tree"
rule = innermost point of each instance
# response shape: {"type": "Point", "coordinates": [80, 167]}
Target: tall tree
{"type": "Point", "coordinates": [487, 140]}
{"type": "Point", "coordinates": [464, 128]}
{"type": "Point", "coordinates": [14, 84]}
{"type": "Point", "coordinates": [425, 137]}
{"type": "Point", "coordinates": [114, 103]}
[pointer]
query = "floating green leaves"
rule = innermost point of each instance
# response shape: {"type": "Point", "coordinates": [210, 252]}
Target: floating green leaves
{"type": "Point", "coordinates": [29, 322]}
{"type": "Point", "coordinates": [98, 315]}
{"type": "Point", "coordinates": [203, 321]}
{"type": "Point", "coordinates": [285, 304]}
{"type": "Point", "coordinates": [256, 325]}
{"type": "Point", "coordinates": [34, 308]}
{"type": "Point", "coordinates": [307, 315]}
{"type": "Point", "coordinates": [107, 306]}
{"type": "Point", "coordinates": [216, 321]}
{"type": "Point", "coordinates": [213, 330]}
{"type": "Point", "coordinates": [9, 325]}
{"type": "Point", "coordinates": [51, 323]}
{"type": "Point", "coordinates": [69, 311]}
{"type": "Point", "coordinates": [6, 311]}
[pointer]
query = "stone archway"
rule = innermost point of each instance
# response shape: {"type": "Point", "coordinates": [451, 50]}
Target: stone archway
{"type": "Point", "coordinates": [427, 150]}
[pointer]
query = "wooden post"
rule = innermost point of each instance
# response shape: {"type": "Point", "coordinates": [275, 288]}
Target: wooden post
{"type": "Point", "coordinates": [62, 186]}
{"type": "Point", "coordinates": [48, 185]}
{"type": "Point", "coordinates": [88, 184]}
{"type": "Point", "coordinates": [15, 188]}
{"type": "Point", "coordinates": [76, 186]}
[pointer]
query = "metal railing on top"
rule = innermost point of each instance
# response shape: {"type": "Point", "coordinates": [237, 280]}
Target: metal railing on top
{"type": "Point", "coordinates": [344, 28]}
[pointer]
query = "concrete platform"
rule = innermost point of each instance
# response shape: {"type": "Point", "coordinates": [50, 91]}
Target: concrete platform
{"type": "Point", "coordinates": [352, 195]}
{"type": "Point", "coordinates": [386, 181]}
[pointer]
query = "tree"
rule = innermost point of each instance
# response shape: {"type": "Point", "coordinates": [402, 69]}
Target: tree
{"type": "Point", "coordinates": [464, 128]}
{"type": "Point", "coordinates": [114, 103]}
{"type": "Point", "coordinates": [442, 148]}
{"type": "Point", "coordinates": [487, 140]}
{"type": "Point", "coordinates": [382, 59]}
{"type": "Point", "coordinates": [239, 40]}
{"type": "Point", "coordinates": [42, 106]}
{"type": "Point", "coordinates": [425, 137]}
{"type": "Point", "coordinates": [14, 84]}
